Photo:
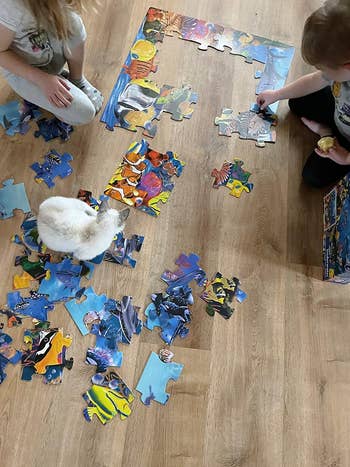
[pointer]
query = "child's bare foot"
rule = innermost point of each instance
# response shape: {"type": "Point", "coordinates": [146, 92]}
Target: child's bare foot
{"type": "Point", "coordinates": [316, 127]}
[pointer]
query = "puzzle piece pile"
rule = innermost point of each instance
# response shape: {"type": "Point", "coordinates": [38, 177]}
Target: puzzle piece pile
{"type": "Point", "coordinates": [144, 178]}
{"type": "Point", "coordinates": [233, 176]}
{"type": "Point", "coordinates": [15, 116]}
{"type": "Point", "coordinates": [46, 353]}
{"type": "Point", "coordinates": [12, 196]}
{"type": "Point", "coordinates": [55, 164]}
{"type": "Point", "coordinates": [51, 128]}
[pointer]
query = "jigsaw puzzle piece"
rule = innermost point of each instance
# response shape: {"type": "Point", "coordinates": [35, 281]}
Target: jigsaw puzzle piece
{"type": "Point", "coordinates": [86, 311]}
{"type": "Point", "coordinates": [55, 164]}
{"type": "Point", "coordinates": [51, 128]}
{"type": "Point", "coordinates": [227, 122]}
{"type": "Point", "coordinates": [12, 318]}
{"type": "Point", "coordinates": [23, 281]}
{"type": "Point", "coordinates": [154, 379]}
{"type": "Point", "coordinates": [200, 31]}
{"type": "Point", "coordinates": [176, 101]}
{"type": "Point", "coordinates": [36, 269]}
{"type": "Point", "coordinates": [12, 196]}
{"type": "Point", "coordinates": [8, 354]}
{"type": "Point", "coordinates": [30, 236]}
{"type": "Point", "coordinates": [62, 280]}
{"type": "Point", "coordinates": [188, 270]}
{"type": "Point", "coordinates": [219, 294]}
{"type": "Point", "coordinates": [122, 249]}
{"type": "Point", "coordinates": [36, 305]}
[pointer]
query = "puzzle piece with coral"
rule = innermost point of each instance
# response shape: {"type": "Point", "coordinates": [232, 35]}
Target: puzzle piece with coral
{"type": "Point", "coordinates": [109, 396]}
{"type": "Point", "coordinates": [155, 378]}
{"type": "Point", "coordinates": [144, 178]}
{"type": "Point", "coordinates": [249, 125]}
{"type": "Point", "coordinates": [8, 354]}
{"type": "Point", "coordinates": [62, 280]}
{"type": "Point", "coordinates": [45, 353]}
{"type": "Point", "coordinates": [119, 321]}
{"type": "Point", "coordinates": [36, 305]}
{"type": "Point", "coordinates": [233, 176]}
{"type": "Point", "coordinates": [187, 271]}
{"type": "Point", "coordinates": [86, 312]}
{"type": "Point", "coordinates": [55, 165]}
{"type": "Point", "coordinates": [171, 313]}
{"type": "Point", "coordinates": [12, 196]}
{"type": "Point", "coordinates": [219, 294]}
{"type": "Point", "coordinates": [51, 128]}
{"type": "Point", "coordinates": [122, 249]}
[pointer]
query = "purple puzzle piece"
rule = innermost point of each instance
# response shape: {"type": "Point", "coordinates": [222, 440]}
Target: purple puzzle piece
{"type": "Point", "coordinates": [187, 271]}
{"type": "Point", "coordinates": [55, 165]}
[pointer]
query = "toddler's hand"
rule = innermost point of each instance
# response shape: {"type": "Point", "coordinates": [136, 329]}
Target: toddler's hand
{"type": "Point", "coordinates": [266, 98]}
{"type": "Point", "coordinates": [56, 89]}
{"type": "Point", "coordinates": [337, 153]}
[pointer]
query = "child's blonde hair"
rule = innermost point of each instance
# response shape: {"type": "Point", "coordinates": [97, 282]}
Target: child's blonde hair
{"type": "Point", "coordinates": [326, 35]}
{"type": "Point", "coordinates": [54, 14]}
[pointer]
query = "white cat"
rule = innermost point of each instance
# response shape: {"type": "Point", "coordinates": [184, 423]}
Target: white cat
{"type": "Point", "coordinates": [69, 225]}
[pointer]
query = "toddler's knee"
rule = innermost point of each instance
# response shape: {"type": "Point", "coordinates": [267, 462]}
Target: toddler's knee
{"type": "Point", "coordinates": [294, 105]}
{"type": "Point", "coordinates": [311, 179]}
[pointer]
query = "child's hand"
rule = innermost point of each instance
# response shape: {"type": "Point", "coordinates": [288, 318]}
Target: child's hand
{"type": "Point", "coordinates": [56, 89]}
{"type": "Point", "coordinates": [337, 153]}
{"type": "Point", "coordinates": [266, 98]}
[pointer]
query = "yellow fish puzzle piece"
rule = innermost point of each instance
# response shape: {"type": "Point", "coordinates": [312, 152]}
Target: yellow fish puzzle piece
{"type": "Point", "coordinates": [237, 188]}
{"type": "Point", "coordinates": [23, 281]}
{"type": "Point", "coordinates": [143, 50]}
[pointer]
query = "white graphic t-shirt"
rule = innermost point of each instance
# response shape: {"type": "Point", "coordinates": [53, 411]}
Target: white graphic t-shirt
{"type": "Point", "coordinates": [37, 46]}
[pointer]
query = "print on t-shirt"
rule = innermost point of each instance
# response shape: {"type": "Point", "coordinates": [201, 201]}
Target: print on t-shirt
{"type": "Point", "coordinates": [37, 41]}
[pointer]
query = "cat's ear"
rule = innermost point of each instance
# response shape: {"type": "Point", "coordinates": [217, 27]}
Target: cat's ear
{"type": "Point", "coordinates": [124, 214]}
{"type": "Point", "coordinates": [103, 208]}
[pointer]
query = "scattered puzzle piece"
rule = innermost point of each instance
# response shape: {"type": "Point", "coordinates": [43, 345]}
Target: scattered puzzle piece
{"type": "Point", "coordinates": [171, 313]}
{"type": "Point", "coordinates": [30, 236]}
{"type": "Point", "coordinates": [12, 196]}
{"type": "Point", "coordinates": [187, 271]}
{"type": "Point", "coordinates": [55, 165]}
{"type": "Point", "coordinates": [12, 318]}
{"type": "Point", "coordinates": [84, 313]}
{"type": "Point", "coordinates": [45, 354]}
{"type": "Point", "coordinates": [249, 125]}
{"type": "Point", "coordinates": [51, 128]}
{"type": "Point", "coordinates": [176, 101]}
{"type": "Point", "coordinates": [23, 281]}
{"type": "Point", "coordinates": [7, 354]}
{"type": "Point", "coordinates": [233, 176]}
{"type": "Point", "coordinates": [154, 379]}
{"type": "Point", "coordinates": [14, 116]}
{"type": "Point", "coordinates": [62, 280]}
{"type": "Point", "coordinates": [219, 294]}
{"type": "Point", "coordinates": [36, 269]}
{"type": "Point", "coordinates": [36, 305]}
{"type": "Point", "coordinates": [107, 397]}
{"type": "Point", "coordinates": [122, 248]}
{"type": "Point", "coordinates": [144, 177]}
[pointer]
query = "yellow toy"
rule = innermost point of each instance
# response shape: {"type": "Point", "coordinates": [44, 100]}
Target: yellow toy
{"type": "Point", "coordinates": [326, 143]}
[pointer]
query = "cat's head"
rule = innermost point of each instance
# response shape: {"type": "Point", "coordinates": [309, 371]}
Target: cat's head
{"type": "Point", "coordinates": [118, 218]}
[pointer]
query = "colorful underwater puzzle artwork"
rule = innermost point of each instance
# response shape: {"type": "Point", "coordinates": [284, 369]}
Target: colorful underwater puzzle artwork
{"type": "Point", "coordinates": [55, 164]}
{"type": "Point", "coordinates": [154, 379]}
{"type": "Point", "coordinates": [46, 353]}
{"type": "Point", "coordinates": [136, 99]}
{"type": "Point", "coordinates": [51, 128]}
{"type": "Point", "coordinates": [86, 311]}
{"type": "Point", "coordinates": [86, 196]}
{"type": "Point", "coordinates": [36, 305]}
{"type": "Point", "coordinates": [62, 280]}
{"type": "Point", "coordinates": [118, 322]}
{"type": "Point", "coordinates": [233, 176]}
{"type": "Point", "coordinates": [12, 196]}
{"type": "Point", "coordinates": [144, 178]}
{"type": "Point", "coordinates": [249, 125]}
{"type": "Point", "coordinates": [187, 271]}
{"type": "Point", "coordinates": [122, 248]}
{"type": "Point", "coordinates": [15, 115]}
{"type": "Point", "coordinates": [171, 313]}
{"type": "Point", "coordinates": [219, 294]}
{"type": "Point", "coordinates": [29, 237]}
{"type": "Point", "coordinates": [109, 396]}
{"type": "Point", "coordinates": [8, 354]}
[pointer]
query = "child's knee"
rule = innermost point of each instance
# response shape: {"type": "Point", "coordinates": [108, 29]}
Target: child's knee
{"type": "Point", "coordinates": [84, 112]}
{"type": "Point", "coordinates": [294, 105]}
{"type": "Point", "coordinates": [312, 179]}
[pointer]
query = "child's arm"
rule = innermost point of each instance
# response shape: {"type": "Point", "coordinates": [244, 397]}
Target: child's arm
{"type": "Point", "coordinates": [301, 87]}
{"type": "Point", "coordinates": [55, 88]}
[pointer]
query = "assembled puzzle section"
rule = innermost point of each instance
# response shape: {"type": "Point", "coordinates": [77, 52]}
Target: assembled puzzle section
{"type": "Point", "coordinates": [336, 233]}
{"type": "Point", "coordinates": [144, 178]}
{"type": "Point", "coordinates": [12, 196]}
{"type": "Point", "coordinates": [154, 379]}
{"type": "Point", "coordinates": [55, 165]}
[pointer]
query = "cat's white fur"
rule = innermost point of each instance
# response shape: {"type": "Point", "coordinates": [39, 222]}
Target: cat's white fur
{"type": "Point", "coordinates": [69, 225]}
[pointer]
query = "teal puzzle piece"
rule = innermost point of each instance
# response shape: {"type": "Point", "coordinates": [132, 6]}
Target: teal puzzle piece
{"type": "Point", "coordinates": [12, 197]}
{"type": "Point", "coordinates": [154, 379]}
{"type": "Point", "coordinates": [89, 308]}
{"type": "Point", "coordinates": [63, 281]}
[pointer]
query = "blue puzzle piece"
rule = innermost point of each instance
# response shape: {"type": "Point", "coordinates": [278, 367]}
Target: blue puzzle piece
{"type": "Point", "coordinates": [55, 165]}
{"type": "Point", "coordinates": [122, 248]}
{"type": "Point", "coordinates": [81, 313]}
{"type": "Point", "coordinates": [12, 197]}
{"type": "Point", "coordinates": [155, 377]}
{"type": "Point", "coordinates": [36, 305]}
{"type": "Point", "coordinates": [51, 128]}
{"type": "Point", "coordinates": [14, 116]}
{"type": "Point", "coordinates": [62, 280]}
{"type": "Point", "coordinates": [187, 271]}
{"type": "Point", "coordinates": [7, 354]}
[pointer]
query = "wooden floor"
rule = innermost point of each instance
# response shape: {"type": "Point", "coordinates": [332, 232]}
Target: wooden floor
{"type": "Point", "coordinates": [271, 386]}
